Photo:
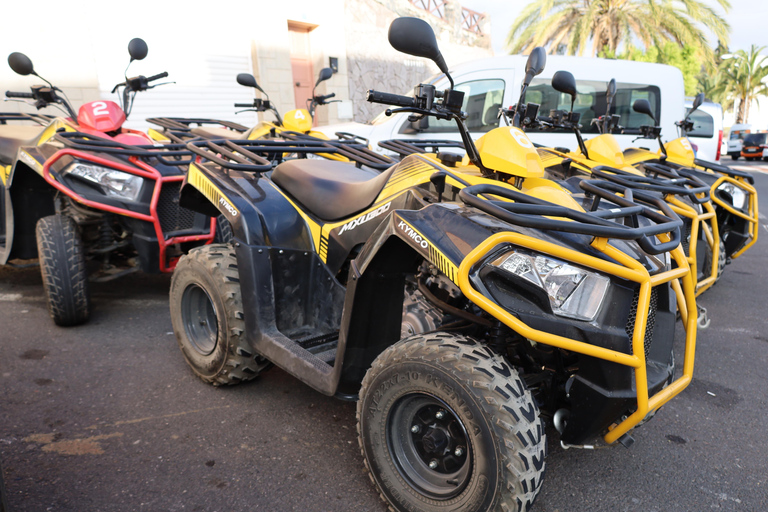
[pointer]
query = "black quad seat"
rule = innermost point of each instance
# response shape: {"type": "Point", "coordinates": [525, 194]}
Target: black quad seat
{"type": "Point", "coordinates": [12, 137]}
{"type": "Point", "coordinates": [212, 132]}
{"type": "Point", "coordinates": [328, 189]}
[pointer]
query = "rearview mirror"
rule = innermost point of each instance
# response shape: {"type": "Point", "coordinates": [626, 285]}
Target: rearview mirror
{"type": "Point", "coordinates": [415, 37]}
{"type": "Point", "coordinates": [611, 92]}
{"type": "Point", "coordinates": [325, 74]}
{"type": "Point", "coordinates": [248, 80]}
{"type": "Point", "coordinates": [535, 64]}
{"type": "Point", "coordinates": [21, 64]}
{"type": "Point", "coordinates": [643, 107]}
{"type": "Point", "coordinates": [137, 49]}
{"type": "Point", "coordinates": [564, 82]}
{"type": "Point", "coordinates": [697, 101]}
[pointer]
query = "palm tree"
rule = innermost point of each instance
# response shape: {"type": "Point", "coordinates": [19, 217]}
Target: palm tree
{"type": "Point", "coordinates": [570, 24]}
{"type": "Point", "coordinates": [743, 74]}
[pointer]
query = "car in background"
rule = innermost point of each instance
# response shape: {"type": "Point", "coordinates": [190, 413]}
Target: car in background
{"type": "Point", "coordinates": [753, 146]}
{"type": "Point", "coordinates": [707, 134]}
{"type": "Point", "coordinates": [735, 137]}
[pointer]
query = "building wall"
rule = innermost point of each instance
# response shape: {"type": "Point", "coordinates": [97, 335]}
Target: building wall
{"type": "Point", "coordinates": [374, 64]}
{"type": "Point", "coordinates": [77, 51]}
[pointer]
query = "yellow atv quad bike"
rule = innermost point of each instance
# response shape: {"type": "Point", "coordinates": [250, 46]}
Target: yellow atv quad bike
{"type": "Point", "coordinates": [732, 190]}
{"type": "Point", "coordinates": [457, 310]}
{"type": "Point", "coordinates": [601, 157]}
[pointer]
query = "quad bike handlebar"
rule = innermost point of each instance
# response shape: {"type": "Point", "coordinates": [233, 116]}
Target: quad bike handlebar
{"type": "Point", "coordinates": [23, 95]}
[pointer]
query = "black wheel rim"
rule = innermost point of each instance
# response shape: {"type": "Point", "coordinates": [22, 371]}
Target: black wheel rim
{"type": "Point", "coordinates": [423, 430]}
{"type": "Point", "coordinates": [199, 317]}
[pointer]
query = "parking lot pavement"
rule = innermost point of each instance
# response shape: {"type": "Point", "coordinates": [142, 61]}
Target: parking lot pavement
{"type": "Point", "coordinates": [107, 416]}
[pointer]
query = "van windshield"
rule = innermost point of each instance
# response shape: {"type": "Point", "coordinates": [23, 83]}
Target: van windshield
{"type": "Point", "coordinates": [590, 102]}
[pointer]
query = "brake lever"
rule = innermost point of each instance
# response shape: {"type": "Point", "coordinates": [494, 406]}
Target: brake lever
{"type": "Point", "coordinates": [157, 85]}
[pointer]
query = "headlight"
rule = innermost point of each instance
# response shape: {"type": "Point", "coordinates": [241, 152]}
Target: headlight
{"type": "Point", "coordinates": [573, 292]}
{"type": "Point", "coordinates": [114, 183]}
{"type": "Point", "coordinates": [738, 197]}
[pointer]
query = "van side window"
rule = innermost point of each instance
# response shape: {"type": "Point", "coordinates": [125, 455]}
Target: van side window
{"type": "Point", "coordinates": [590, 102]}
{"type": "Point", "coordinates": [703, 125]}
{"type": "Point", "coordinates": [482, 100]}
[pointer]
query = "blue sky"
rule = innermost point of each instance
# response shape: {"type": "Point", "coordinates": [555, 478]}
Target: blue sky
{"type": "Point", "coordinates": [748, 20]}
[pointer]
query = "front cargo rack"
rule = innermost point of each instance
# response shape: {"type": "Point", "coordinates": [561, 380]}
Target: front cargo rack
{"type": "Point", "coordinates": [186, 123]}
{"type": "Point", "coordinates": [405, 147]}
{"type": "Point", "coordinates": [262, 155]}
{"type": "Point", "coordinates": [664, 180]}
{"type": "Point", "coordinates": [167, 154]}
{"type": "Point", "coordinates": [608, 222]}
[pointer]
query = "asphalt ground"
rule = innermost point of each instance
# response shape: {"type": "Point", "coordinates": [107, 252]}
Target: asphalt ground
{"type": "Point", "coordinates": [107, 416]}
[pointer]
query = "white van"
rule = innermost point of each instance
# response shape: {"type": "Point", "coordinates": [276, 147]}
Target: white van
{"type": "Point", "coordinates": [735, 137]}
{"type": "Point", "coordinates": [492, 83]}
{"type": "Point", "coordinates": [707, 134]}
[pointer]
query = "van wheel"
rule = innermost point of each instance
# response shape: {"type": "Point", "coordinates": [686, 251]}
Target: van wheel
{"type": "Point", "coordinates": [734, 157]}
{"type": "Point", "coordinates": [62, 266]}
{"type": "Point", "coordinates": [207, 317]}
{"type": "Point", "coordinates": [445, 424]}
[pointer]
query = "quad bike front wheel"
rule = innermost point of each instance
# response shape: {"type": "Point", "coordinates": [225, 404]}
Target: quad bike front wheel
{"type": "Point", "coordinates": [62, 265]}
{"type": "Point", "coordinates": [207, 317]}
{"type": "Point", "coordinates": [446, 424]}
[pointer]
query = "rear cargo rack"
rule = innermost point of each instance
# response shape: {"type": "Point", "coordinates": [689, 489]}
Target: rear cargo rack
{"type": "Point", "coordinates": [41, 119]}
{"type": "Point", "coordinates": [185, 123]}
{"type": "Point", "coordinates": [262, 155]}
{"type": "Point", "coordinates": [621, 223]}
{"type": "Point", "coordinates": [168, 154]}
{"type": "Point", "coordinates": [665, 180]}
{"type": "Point", "coordinates": [405, 147]}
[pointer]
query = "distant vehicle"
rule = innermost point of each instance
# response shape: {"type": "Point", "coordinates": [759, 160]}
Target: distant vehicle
{"type": "Point", "coordinates": [735, 137]}
{"type": "Point", "coordinates": [707, 134]}
{"type": "Point", "coordinates": [489, 84]}
{"type": "Point", "coordinates": [753, 146]}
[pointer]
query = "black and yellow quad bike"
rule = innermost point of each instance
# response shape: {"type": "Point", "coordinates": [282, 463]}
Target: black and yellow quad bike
{"type": "Point", "coordinates": [83, 189]}
{"type": "Point", "coordinates": [456, 305]}
{"type": "Point", "coordinates": [601, 157]}
{"type": "Point", "coordinates": [733, 192]}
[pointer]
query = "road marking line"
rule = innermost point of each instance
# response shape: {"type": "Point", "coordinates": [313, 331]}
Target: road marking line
{"type": "Point", "coordinates": [10, 297]}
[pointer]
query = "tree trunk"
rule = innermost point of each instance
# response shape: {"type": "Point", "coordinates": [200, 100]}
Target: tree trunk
{"type": "Point", "coordinates": [742, 110]}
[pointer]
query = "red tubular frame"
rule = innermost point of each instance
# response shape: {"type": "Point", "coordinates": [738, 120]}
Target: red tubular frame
{"type": "Point", "coordinates": [145, 171]}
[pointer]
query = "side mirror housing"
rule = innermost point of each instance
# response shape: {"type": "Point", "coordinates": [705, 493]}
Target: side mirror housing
{"type": "Point", "coordinates": [324, 75]}
{"type": "Point", "coordinates": [21, 64]}
{"type": "Point", "coordinates": [643, 106]}
{"type": "Point", "coordinates": [537, 60]}
{"type": "Point", "coordinates": [248, 80]}
{"type": "Point", "coordinates": [564, 82]}
{"type": "Point", "coordinates": [137, 49]}
{"type": "Point", "coordinates": [415, 36]}
{"type": "Point", "coordinates": [697, 101]}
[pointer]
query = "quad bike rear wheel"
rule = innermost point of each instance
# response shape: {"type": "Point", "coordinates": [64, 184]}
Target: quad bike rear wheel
{"type": "Point", "coordinates": [207, 316]}
{"type": "Point", "coordinates": [446, 424]}
{"type": "Point", "coordinates": [62, 265]}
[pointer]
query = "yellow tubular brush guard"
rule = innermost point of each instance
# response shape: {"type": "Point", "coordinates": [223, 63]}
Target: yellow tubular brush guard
{"type": "Point", "coordinates": [626, 268]}
{"type": "Point", "coordinates": [707, 222]}
{"type": "Point", "coordinates": [752, 217]}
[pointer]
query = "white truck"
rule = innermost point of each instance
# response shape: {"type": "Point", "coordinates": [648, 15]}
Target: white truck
{"type": "Point", "coordinates": [492, 83]}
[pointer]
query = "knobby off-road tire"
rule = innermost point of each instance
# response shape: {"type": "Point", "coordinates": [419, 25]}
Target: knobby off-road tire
{"type": "Point", "coordinates": [223, 233]}
{"type": "Point", "coordinates": [722, 260]}
{"type": "Point", "coordinates": [62, 265]}
{"type": "Point", "coordinates": [207, 316]}
{"type": "Point", "coordinates": [436, 392]}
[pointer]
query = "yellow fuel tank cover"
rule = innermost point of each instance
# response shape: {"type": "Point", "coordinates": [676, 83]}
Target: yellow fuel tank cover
{"type": "Point", "coordinates": [509, 150]}
{"type": "Point", "coordinates": [680, 151]}
{"type": "Point", "coordinates": [297, 120]}
{"type": "Point", "coordinates": [605, 149]}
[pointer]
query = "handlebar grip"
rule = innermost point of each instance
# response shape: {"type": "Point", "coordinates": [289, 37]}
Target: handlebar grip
{"type": "Point", "coordinates": [390, 99]}
{"type": "Point", "coordinates": [25, 95]}
{"type": "Point", "coordinates": [243, 105]}
{"type": "Point", "coordinates": [329, 96]}
{"type": "Point", "coordinates": [158, 76]}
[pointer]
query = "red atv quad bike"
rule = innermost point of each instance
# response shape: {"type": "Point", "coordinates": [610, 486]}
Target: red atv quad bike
{"type": "Point", "coordinates": [84, 188]}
